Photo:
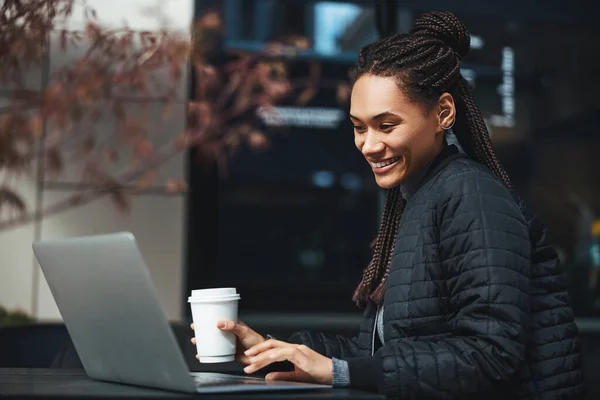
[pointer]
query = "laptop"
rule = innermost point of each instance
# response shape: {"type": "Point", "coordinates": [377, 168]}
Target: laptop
{"type": "Point", "coordinates": [110, 308]}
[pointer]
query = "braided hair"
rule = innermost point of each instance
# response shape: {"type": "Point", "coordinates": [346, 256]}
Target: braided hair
{"type": "Point", "coordinates": [425, 64]}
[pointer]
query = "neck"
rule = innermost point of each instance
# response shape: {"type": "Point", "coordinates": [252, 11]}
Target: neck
{"type": "Point", "coordinates": [414, 181]}
{"type": "Point", "coordinates": [411, 184]}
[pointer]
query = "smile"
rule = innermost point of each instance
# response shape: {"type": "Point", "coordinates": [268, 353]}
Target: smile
{"type": "Point", "coordinates": [385, 163]}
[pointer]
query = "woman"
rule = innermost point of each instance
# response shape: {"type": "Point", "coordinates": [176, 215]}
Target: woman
{"type": "Point", "coordinates": [463, 297]}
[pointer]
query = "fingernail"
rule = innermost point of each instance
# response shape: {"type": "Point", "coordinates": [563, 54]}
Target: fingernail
{"type": "Point", "coordinates": [273, 356]}
{"type": "Point", "coordinates": [247, 369]}
{"type": "Point", "coordinates": [221, 324]}
{"type": "Point", "coordinates": [192, 340]}
{"type": "Point", "coordinates": [252, 359]}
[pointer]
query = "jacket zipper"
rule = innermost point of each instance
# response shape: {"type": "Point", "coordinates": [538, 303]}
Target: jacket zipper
{"type": "Point", "coordinates": [374, 332]}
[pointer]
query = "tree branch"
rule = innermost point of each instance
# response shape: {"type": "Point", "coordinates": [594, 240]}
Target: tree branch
{"type": "Point", "coordinates": [88, 195]}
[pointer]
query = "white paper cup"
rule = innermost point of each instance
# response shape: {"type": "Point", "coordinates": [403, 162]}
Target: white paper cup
{"type": "Point", "coordinates": [208, 307]}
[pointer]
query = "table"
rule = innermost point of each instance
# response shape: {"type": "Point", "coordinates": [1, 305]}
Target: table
{"type": "Point", "coordinates": [29, 383]}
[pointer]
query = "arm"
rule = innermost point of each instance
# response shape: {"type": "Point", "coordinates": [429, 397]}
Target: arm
{"type": "Point", "coordinates": [487, 271]}
{"type": "Point", "coordinates": [328, 345]}
{"type": "Point", "coordinates": [315, 344]}
{"type": "Point", "coordinates": [331, 345]}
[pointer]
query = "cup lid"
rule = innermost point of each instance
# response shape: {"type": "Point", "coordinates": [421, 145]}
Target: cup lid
{"type": "Point", "coordinates": [215, 299]}
{"type": "Point", "coordinates": [215, 292]}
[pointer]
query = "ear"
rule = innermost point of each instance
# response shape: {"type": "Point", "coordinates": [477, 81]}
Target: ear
{"type": "Point", "coordinates": [446, 111]}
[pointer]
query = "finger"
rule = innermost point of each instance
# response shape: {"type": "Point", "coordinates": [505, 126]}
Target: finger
{"type": "Point", "coordinates": [244, 359]}
{"type": "Point", "coordinates": [275, 355]}
{"type": "Point", "coordinates": [264, 346]}
{"type": "Point", "coordinates": [290, 353]}
{"type": "Point", "coordinates": [197, 357]}
{"type": "Point", "coordinates": [281, 376]}
{"type": "Point", "coordinates": [193, 340]}
{"type": "Point", "coordinates": [192, 326]}
{"type": "Point", "coordinates": [230, 326]}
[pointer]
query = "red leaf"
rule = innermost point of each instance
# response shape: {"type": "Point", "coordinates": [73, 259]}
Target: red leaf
{"type": "Point", "coordinates": [145, 181]}
{"type": "Point", "coordinates": [210, 21]}
{"type": "Point", "coordinates": [36, 124]}
{"type": "Point", "coordinates": [201, 113]}
{"type": "Point", "coordinates": [258, 140]}
{"type": "Point", "coordinates": [175, 186]}
{"type": "Point", "coordinates": [144, 148]}
{"type": "Point", "coordinates": [133, 128]}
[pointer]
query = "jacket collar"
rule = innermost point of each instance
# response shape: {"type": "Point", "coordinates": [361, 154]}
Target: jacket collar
{"type": "Point", "coordinates": [414, 183]}
{"type": "Point", "coordinates": [448, 154]}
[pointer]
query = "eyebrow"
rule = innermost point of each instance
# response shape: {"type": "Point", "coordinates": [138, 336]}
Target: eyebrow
{"type": "Point", "coordinates": [380, 115]}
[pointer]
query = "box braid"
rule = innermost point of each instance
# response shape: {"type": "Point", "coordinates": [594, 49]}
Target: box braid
{"type": "Point", "coordinates": [426, 64]}
{"type": "Point", "coordinates": [375, 275]}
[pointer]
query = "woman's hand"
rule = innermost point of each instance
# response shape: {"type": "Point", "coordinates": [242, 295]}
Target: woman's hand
{"type": "Point", "coordinates": [309, 366]}
{"type": "Point", "coordinates": [246, 338]}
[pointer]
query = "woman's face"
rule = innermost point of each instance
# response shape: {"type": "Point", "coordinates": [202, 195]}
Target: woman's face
{"type": "Point", "coordinates": [397, 137]}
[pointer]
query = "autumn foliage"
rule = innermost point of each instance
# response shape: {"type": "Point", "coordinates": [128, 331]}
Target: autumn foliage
{"type": "Point", "coordinates": [58, 121]}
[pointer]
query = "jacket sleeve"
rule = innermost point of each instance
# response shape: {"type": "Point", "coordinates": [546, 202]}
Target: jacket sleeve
{"type": "Point", "coordinates": [329, 345]}
{"type": "Point", "coordinates": [485, 252]}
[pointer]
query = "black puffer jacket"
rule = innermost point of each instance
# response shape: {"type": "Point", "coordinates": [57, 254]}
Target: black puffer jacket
{"type": "Point", "coordinates": [476, 303]}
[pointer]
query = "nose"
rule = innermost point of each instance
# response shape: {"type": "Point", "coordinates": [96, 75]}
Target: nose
{"type": "Point", "coordinates": [371, 146]}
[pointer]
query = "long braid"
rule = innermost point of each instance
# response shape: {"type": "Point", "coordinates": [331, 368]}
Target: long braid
{"type": "Point", "coordinates": [376, 273]}
{"type": "Point", "coordinates": [390, 237]}
{"type": "Point", "coordinates": [482, 144]}
{"type": "Point", "coordinates": [426, 64]}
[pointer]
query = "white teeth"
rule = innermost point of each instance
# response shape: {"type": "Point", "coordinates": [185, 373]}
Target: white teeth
{"type": "Point", "coordinates": [385, 163]}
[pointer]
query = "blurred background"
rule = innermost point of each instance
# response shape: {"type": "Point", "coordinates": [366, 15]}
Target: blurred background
{"type": "Point", "coordinates": [282, 206]}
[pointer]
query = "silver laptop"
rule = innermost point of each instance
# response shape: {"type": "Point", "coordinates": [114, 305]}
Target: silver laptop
{"type": "Point", "coordinates": [109, 305]}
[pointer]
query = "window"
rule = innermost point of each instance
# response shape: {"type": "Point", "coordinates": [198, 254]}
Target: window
{"type": "Point", "coordinates": [294, 223]}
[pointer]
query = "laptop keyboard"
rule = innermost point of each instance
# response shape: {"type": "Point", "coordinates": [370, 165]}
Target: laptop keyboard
{"type": "Point", "coordinates": [203, 379]}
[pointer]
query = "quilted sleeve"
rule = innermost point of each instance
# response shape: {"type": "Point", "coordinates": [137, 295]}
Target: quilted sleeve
{"type": "Point", "coordinates": [326, 344]}
{"type": "Point", "coordinates": [485, 252]}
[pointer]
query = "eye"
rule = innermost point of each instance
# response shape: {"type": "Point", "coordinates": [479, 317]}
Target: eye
{"type": "Point", "coordinates": [359, 128]}
{"type": "Point", "coordinates": [386, 127]}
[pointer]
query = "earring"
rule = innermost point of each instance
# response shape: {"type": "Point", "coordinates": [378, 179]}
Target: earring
{"type": "Point", "coordinates": [440, 120]}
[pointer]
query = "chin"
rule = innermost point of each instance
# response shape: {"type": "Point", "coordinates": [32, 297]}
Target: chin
{"type": "Point", "coordinates": [387, 182]}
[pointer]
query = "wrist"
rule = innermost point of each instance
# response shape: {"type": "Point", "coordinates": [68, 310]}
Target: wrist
{"type": "Point", "coordinates": [330, 369]}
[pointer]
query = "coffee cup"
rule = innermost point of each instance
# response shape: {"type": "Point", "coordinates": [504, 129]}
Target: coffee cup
{"type": "Point", "coordinates": [208, 307]}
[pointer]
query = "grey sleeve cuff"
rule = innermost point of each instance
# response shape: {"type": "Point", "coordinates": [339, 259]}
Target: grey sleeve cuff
{"type": "Point", "coordinates": [341, 373]}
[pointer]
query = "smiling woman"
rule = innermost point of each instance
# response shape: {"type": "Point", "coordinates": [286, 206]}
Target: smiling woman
{"type": "Point", "coordinates": [463, 297]}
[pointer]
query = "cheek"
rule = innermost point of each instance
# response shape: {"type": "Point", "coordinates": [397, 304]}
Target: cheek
{"type": "Point", "coordinates": [419, 147]}
{"type": "Point", "coordinates": [400, 140]}
{"type": "Point", "coordinates": [358, 142]}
